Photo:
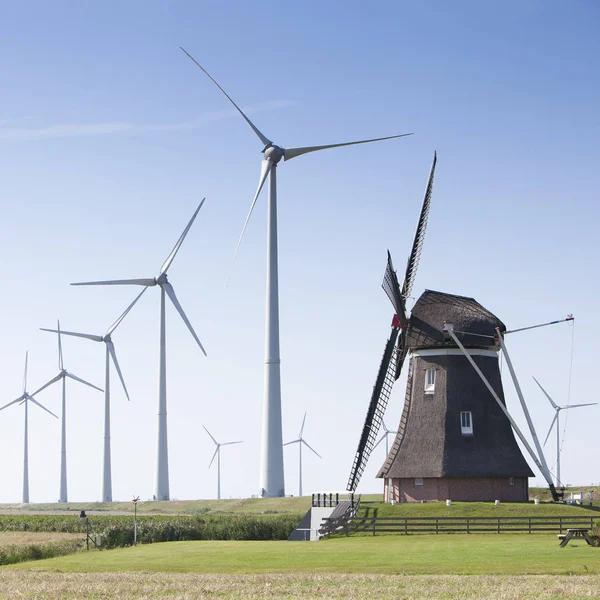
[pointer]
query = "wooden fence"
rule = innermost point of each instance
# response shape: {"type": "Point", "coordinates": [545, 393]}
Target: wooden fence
{"type": "Point", "coordinates": [407, 525]}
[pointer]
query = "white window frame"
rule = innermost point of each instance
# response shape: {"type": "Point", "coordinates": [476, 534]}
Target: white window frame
{"type": "Point", "coordinates": [418, 481]}
{"type": "Point", "coordinates": [511, 481]}
{"type": "Point", "coordinates": [429, 385]}
{"type": "Point", "coordinates": [466, 422]}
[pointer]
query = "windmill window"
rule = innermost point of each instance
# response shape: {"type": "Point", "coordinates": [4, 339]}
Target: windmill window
{"type": "Point", "coordinates": [511, 481]}
{"type": "Point", "coordinates": [429, 381]}
{"type": "Point", "coordinates": [419, 481]}
{"type": "Point", "coordinates": [466, 423]}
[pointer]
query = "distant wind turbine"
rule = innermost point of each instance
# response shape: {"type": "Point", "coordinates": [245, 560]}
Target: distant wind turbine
{"type": "Point", "coordinates": [24, 398]}
{"type": "Point", "coordinates": [386, 433]}
{"type": "Point", "coordinates": [271, 469]}
{"type": "Point", "coordinates": [162, 466]}
{"type": "Point", "coordinates": [63, 374]}
{"type": "Point", "coordinates": [110, 354]}
{"type": "Point", "coordinates": [218, 455]}
{"type": "Point", "coordinates": [556, 421]}
{"type": "Point", "coordinates": [301, 441]}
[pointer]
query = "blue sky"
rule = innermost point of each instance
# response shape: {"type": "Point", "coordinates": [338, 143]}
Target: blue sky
{"type": "Point", "coordinates": [110, 137]}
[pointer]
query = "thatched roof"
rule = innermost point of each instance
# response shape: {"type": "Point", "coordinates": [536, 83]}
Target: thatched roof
{"type": "Point", "coordinates": [466, 314]}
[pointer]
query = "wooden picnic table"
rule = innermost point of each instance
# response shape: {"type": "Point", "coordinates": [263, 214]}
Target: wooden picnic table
{"type": "Point", "coordinates": [571, 533]}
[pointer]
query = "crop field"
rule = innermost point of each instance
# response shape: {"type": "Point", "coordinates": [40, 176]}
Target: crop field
{"type": "Point", "coordinates": [35, 537]}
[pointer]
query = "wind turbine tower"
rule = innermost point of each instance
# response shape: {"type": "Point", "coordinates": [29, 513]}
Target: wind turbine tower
{"type": "Point", "coordinates": [63, 374]}
{"type": "Point", "coordinates": [271, 462]}
{"type": "Point", "coordinates": [166, 289]}
{"type": "Point", "coordinates": [25, 398]}
{"type": "Point", "coordinates": [110, 354]}
{"type": "Point", "coordinates": [556, 422]}
{"type": "Point", "coordinates": [301, 441]}
{"type": "Point", "coordinates": [217, 454]}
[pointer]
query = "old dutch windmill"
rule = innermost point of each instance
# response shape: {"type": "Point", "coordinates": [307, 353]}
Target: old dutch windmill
{"type": "Point", "coordinates": [456, 438]}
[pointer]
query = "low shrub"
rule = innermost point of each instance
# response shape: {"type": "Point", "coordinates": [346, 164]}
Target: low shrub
{"type": "Point", "coordinates": [15, 553]}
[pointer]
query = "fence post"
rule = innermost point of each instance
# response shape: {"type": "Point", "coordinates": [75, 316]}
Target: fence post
{"type": "Point", "coordinates": [436, 526]}
{"type": "Point", "coordinates": [560, 524]}
{"type": "Point", "coordinates": [468, 525]}
{"type": "Point", "coordinates": [405, 526]}
{"type": "Point", "coordinates": [529, 519]}
{"type": "Point", "coordinates": [498, 524]}
{"type": "Point", "coordinates": [373, 525]}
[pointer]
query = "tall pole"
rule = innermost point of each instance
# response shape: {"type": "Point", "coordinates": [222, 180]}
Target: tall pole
{"type": "Point", "coordinates": [218, 472]}
{"type": "Point", "coordinates": [63, 445]}
{"type": "Point", "coordinates": [26, 457]}
{"type": "Point", "coordinates": [558, 481]}
{"type": "Point", "coordinates": [271, 460]}
{"type": "Point", "coordinates": [106, 470]}
{"type": "Point", "coordinates": [300, 469]}
{"type": "Point", "coordinates": [162, 461]}
{"type": "Point", "coordinates": [387, 446]}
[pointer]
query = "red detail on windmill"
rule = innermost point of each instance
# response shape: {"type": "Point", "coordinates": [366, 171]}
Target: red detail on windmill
{"type": "Point", "coordinates": [396, 322]}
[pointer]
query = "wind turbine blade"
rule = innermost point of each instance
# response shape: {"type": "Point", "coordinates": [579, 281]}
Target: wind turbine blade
{"type": "Point", "coordinates": [87, 336]}
{"type": "Point", "coordinates": [118, 321]}
{"type": "Point", "coordinates": [171, 256]}
{"type": "Point", "coordinates": [290, 153]}
{"type": "Point", "coordinates": [146, 282]}
{"type": "Point", "coordinates": [214, 455]}
{"type": "Point", "coordinates": [211, 437]}
{"type": "Point", "coordinates": [578, 405]}
{"type": "Point", "coordinates": [25, 374]}
{"type": "Point", "coordinates": [417, 247]}
{"type": "Point", "coordinates": [311, 449]}
{"type": "Point", "coordinates": [292, 442]}
{"type": "Point", "coordinates": [113, 355]}
{"type": "Point", "coordinates": [546, 393]}
{"type": "Point", "coordinates": [41, 406]}
{"type": "Point", "coordinates": [19, 399]}
{"type": "Point", "coordinates": [551, 426]}
{"type": "Point", "coordinates": [54, 380]}
{"type": "Point", "coordinates": [261, 137]}
{"type": "Point", "coordinates": [229, 443]}
{"type": "Point", "coordinates": [60, 356]}
{"type": "Point", "coordinates": [302, 428]}
{"type": "Point", "coordinates": [171, 293]}
{"type": "Point", "coordinates": [265, 168]}
{"type": "Point", "coordinates": [75, 378]}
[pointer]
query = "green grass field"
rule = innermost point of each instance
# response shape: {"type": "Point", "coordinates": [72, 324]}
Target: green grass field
{"type": "Point", "coordinates": [425, 554]}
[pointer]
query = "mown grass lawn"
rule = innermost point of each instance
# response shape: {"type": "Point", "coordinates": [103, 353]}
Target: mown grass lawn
{"type": "Point", "coordinates": [423, 554]}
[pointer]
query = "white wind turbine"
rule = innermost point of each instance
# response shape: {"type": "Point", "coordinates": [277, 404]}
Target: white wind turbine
{"type": "Point", "coordinates": [218, 455]}
{"type": "Point", "coordinates": [162, 466]}
{"type": "Point", "coordinates": [386, 433]}
{"type": "Point", "coordinates": [556, 420]}
{"type": "Point", "coordinates": [271, 462]}
{"type": "Point", "coordinates": [25, 398]}
{"type": "Point", "coordinates": [63, 374]}
{"type": "Point", "coordinates": [301, 441]}
{"type": "Point", "coordinates": [110, 354]}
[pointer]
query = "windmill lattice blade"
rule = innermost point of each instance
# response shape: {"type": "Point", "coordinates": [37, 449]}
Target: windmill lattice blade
{"type": "Point", "coordinates": [60, 356]}
{"type": "Point", "coordinates": [554, 405]}
{"type": "Point", "coordinates": [391, 287]}
{"type": "Point", "coordinates": [171, 293]}
{"type": "Point", "coordinates": [87, 336]}
{"type": "Point", "coordinates": [171, 256]}
{"type": "Point", "coordinates": [41, 406]}
{"type": "Point", "coordinates": [213, 458]}
{"type": "Point", "coordinates": [417, 247]}
{"type": "Point", "coordinates": [126, 311]}
{"type": "Point", "coordinates": [19, 399]}
{"type": "Point", "coordinates": [261, 137]}
{"type": "Point", "coordinates": [210, 434]}
{"type": "Point", "coordinates": [551, 426]}
{"type": "Point", "coordinates": [311, 448]}
{"type": "Point", "coordinates": [75, 378]}
{"type": "Point", "coordinates": [265, 168]}
{"type": "Point", "coordinates": [53, 380]}
{"type": "Point", "coordinates": [302, 428]}
{"type": "Point", "coordinates": [146, 282]}
{"type": "Point", "coordinates": [290, 153]}
{"type": "Point", "coordinates": [113, 355]}
{"type": "Point", "coordinates": [25, 374]}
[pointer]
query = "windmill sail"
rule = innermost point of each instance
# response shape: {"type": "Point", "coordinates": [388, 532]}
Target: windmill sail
{"type": "Point", "coordinates": [395, 349]}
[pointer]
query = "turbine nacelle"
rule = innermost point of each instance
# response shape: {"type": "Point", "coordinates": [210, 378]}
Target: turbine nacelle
{"type": "Point", "coordinates": [274, 153]}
